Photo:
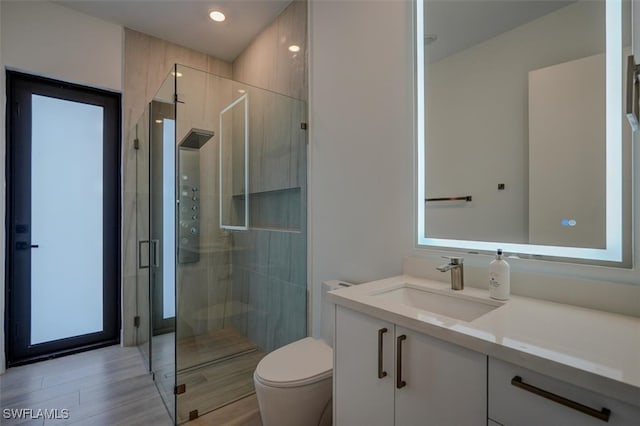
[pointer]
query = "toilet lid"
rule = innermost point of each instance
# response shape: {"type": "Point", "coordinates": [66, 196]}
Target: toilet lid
{"type": "Point", "coordinates": [299, 363]}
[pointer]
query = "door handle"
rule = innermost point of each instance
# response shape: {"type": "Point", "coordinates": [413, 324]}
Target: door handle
{"type": "Point", "coordinates": [381, 373]}
{"type": "Point", "coordinates": [399, 382]}
{"type": "Point", "coordinates": [153, 259]}
{"type": "Point", "coordinates": [140, 264]}
{"type": "Point", "coordinates": [22, 245]}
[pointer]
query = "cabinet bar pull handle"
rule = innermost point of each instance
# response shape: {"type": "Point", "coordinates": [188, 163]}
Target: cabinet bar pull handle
{"type": "Point", "coordinates": [381, 373]}
{"type": "Point", "coordinates": [399, 382]}
{"type": "Point", "coordinates": [603, 414]}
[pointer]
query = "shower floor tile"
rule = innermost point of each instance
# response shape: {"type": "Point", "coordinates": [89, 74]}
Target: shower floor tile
{"type": "Point", "coordinates": [217, 369]}
{"type": "Point", "coordinates": [216, 345]}
{"type": "Point", "coordinates": [216, 385]}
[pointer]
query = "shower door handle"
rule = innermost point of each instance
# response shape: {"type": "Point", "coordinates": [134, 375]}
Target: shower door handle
{"type": "Point", "coordinates": [155, 262]}
{"type": "Point", "coordinates": [140, 260]}
{"type": "Point", "coordinates": [152, 250]}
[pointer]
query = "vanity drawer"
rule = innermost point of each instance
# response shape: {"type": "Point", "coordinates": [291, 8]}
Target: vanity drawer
{"type": "Point", "coordinates": [518, 396]}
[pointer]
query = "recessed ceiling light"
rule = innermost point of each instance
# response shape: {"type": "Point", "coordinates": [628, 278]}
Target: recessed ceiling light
{"type": "Point", "coordinates": [159, 121]}
{"type": "Point", "coordinates": [294, 48]}
{"type": "Point", "coordinates": [217, 16]}
{"type": "Point", "coordinates": [176, 74]}
{"type": "Point", "coordinates": [241, 91]}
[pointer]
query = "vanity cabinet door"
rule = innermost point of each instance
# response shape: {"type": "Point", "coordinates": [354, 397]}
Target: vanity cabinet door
{"type": "Point", "coordinates": [363, 395]}
{"type": "Point", "coordinates": [444, 384]}
{"type": "Point", "coordinates": [518, 396]}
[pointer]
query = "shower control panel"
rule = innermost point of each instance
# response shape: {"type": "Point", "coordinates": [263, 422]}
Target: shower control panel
{"type": "Point", "coordinates": [189, 206]}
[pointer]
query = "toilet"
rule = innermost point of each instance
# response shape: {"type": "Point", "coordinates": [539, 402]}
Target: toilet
{"type": "Point", "coordinates": [294, 383]}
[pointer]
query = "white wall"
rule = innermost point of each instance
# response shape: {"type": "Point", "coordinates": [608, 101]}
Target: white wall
{"type": "Point", "coordinates": [362, 218]}
{"type": "Point", "coordinates": [361, 141]}
{"type": "Point", "coordinates": [47, 39]}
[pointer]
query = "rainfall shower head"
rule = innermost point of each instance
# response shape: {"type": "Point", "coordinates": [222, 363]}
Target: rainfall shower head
{"type": "Point", "coordinates": [196, 138]}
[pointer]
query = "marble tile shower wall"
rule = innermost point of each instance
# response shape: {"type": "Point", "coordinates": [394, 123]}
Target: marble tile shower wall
{"type": "Point", "coordinates": [202, 291]}
{"type": "Point", "coordinates": [146, 65]}
{"type": "Point", "coordinates": [263, 280]}
{"type": "Point", "coordinates": [203, 288]}
{"type": "Point", "coordinates": [269, 262]}
{"type": "Point", "coordinates": [267, 61]}
{"type": "Point", "coordinates": [269, 287]}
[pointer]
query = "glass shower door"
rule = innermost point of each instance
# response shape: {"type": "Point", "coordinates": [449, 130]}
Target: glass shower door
{"type": "Point", "coordinates": [241, 272]}
{"type": "Point", "coordinates": [225, 248]}
{"type": "Point", "coordinates": [153, 142]}
{"type": "Point", "coordinates": [162, 248]}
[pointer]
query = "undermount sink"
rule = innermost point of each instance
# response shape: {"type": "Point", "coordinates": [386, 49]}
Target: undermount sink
{"type": "Point", "coordinates": [450, 305]}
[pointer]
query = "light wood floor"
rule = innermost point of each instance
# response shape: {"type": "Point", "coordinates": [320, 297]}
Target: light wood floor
{"type": "Point", "coordinates": [109, 387]}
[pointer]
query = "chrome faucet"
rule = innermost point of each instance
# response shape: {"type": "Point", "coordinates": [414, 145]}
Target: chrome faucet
{"type": "Point", "coordinates": [457, 271]}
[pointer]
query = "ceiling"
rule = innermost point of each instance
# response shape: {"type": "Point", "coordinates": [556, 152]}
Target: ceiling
{"type": "Point", "coordinates": [187, 22]}
{"type": "Point", "coordinates": [465, 23]}
{"type": "Point", "coordinates": [458, 24]}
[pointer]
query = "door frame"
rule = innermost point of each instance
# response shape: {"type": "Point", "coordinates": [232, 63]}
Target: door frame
{"type": "Point", "coordinates": [17, 299]}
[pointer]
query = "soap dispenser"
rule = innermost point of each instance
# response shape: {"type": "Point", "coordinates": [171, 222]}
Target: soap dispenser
{"type": "Point", "coordinates": [499, 280]}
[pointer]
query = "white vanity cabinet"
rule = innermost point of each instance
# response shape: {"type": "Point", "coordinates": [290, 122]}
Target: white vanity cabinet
{"type": "Point", "coordinates": [360, 396]}
{"type": "Point", "coordinates": [518, 396]}
{"type": "Point", "coordinates": [387, 375]}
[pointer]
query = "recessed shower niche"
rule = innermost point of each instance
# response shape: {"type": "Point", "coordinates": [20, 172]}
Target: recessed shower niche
{"type": "Point", "coordinates": [222, 263]}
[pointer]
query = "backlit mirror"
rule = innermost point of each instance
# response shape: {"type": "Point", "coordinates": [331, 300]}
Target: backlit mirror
{"type": "Point", "coordinates": [522, 140]}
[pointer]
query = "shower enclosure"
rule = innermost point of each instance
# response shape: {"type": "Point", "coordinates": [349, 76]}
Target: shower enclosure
{"type": "Point", "coordinates": [221, 227]}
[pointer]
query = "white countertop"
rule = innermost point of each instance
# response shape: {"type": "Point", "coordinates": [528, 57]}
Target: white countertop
{"type": "Point", "coordinates": [596, 350]}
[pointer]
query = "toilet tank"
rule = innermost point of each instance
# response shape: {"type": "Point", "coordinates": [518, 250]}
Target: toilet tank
{"type": "Point", "coordinates": [327, 314]}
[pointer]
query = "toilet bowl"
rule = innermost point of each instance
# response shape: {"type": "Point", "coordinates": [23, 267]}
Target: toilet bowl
{"type": "Point", "coordinates": [294, 383]}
